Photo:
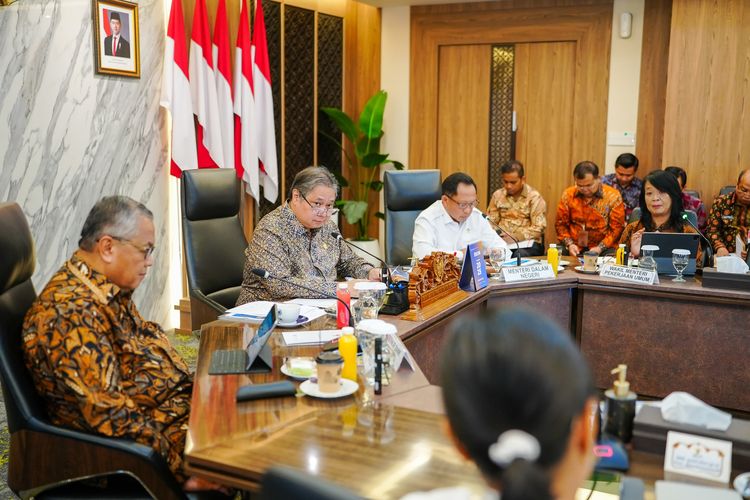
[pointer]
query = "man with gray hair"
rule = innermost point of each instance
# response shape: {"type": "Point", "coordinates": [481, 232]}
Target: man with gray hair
{"type": "Point", "coordinates": [96, 363]}
{"type": "Point", "coordinates": [297, 244]}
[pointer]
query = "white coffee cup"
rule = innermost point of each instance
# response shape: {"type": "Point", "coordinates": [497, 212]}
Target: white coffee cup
{"type": "Point", "coordinates": [288, 313]}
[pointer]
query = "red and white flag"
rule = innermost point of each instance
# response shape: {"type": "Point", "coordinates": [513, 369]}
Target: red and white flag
{"type": "Point", "coordinates": [175, 94]}
{"type": "Point", "coordinates": [263, 122]}
{"type": "Point", "coordinates": [203, 91]}
{"type": "Point", "coordinates": [246, 150]}
{"type": "Point", "coordinates": [223, 72]}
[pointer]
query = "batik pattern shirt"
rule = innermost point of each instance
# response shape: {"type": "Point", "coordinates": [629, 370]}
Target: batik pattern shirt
{"type": "Point", "coordinates": [101, 368]}
{"type": "Point", "coordinates": [602, 216]}
{"type": "Point", "coordinates": [630, 194]}
{"type": "Point", "coordinates": [289, 251]}
{"type": "Point", "coordinates": [727, 220]}
{"type": "Point", "coordinates": [524, 216]}
{"type": "Point", "coordinates": [690, 202]}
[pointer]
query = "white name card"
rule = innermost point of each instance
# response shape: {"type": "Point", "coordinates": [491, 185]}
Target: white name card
{"type": "Point", "coordinates": [698, 456]}
{"type": "Point", "coordinates": [528, 273]}
{"type": "Point", "coordinates": [629, 274]}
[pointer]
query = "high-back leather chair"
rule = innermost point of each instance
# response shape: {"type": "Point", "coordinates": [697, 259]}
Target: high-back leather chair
{"type": "Point", "coordinates": [213, 240]}
{"type": "Point", "coordinates": [290, 484]}
{"type": "Point", "coordinates": [727, 189]}
{"type": "Point", "coordinates": [407, 193]}
{"type": "Point", "coordinates": [47, 461]}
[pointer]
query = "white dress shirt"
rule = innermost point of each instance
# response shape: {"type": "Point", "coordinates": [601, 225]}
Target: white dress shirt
{"type": "Point", "coordinates": [435, 230]}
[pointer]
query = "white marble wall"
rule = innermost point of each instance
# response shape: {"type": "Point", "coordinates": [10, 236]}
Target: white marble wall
{"type": "Point", "coordinates": [69, 136]}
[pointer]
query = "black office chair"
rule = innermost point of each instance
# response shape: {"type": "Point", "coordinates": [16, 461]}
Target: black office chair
{"type": "Point", "coordinates": [213, 240]}
{"type": "Point", "coordinates": [289, 484]}
{"type": "Point", "coordinates": [727, 190]}
{"type": "Point", "coordinates": [47, 461]}
{"type": "Point", "coordinates": [693, 193]}
{"type": "Point", "coordinates": [407, 193]}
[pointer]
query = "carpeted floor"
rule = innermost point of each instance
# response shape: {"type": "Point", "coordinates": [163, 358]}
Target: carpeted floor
{"type": "Point", "coordinates": [186, 345]}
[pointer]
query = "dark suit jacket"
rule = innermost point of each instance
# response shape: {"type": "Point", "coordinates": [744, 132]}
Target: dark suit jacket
{"type": "Point", "coordinates": [123, 47]}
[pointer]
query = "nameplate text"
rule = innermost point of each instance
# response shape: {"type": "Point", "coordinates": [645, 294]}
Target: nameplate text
{"type": "Point", "coordinates": [698, 456]}
{"type": "Point", "coordinates": [528, 273]}
{"type": "Point", "coordinates": [629, 274]}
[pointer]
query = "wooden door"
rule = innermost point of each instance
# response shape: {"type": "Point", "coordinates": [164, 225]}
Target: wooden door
{"type": "Point", "coordinates": [543, 97]}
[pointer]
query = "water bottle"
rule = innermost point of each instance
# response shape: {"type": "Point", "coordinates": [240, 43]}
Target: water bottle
{"type": "Point", "coordinates": [342, 313]}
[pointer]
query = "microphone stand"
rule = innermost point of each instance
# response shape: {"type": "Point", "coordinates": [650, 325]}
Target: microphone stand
{"type": "Point", "coordinates": [397, 300]}
{"type": "Point", "coordinates": [709, 248]}
{"type": "Point", "coordinates": [498, 228]}
{"type": "Point", "coordinates": [263, 274]}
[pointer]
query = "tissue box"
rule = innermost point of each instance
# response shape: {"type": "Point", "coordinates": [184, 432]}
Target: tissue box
{"type": "Point", "coordinates": [650, 435]}
{"type": "Point", "coordinates": [714, 279]}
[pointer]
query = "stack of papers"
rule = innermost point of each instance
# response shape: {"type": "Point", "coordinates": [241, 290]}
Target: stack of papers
{"type": "Point", "coordinates": [256, 311]}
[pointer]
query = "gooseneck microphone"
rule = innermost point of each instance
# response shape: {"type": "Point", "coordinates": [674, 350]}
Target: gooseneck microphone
{"type": "Point", "coordinates": [498, 228]}
{"type": "Point", "coordinates": [263, 274]}
{"type": "Point", "coordinates": [385, 266]}
{"type": "Point", "coordinates": [709, 247]}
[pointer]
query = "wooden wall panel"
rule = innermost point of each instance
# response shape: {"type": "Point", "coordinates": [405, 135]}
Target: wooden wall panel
{"type": "Point", "coordinates": [543, 96]}
{"type": "Point", "coordinates": [657, 18]}
{"type": "Point", "coordinates": [587, 23]}
{"type": "Point", "coordinates": [707, 117]}
{"type": "Point", "coordinates": [464, 113]}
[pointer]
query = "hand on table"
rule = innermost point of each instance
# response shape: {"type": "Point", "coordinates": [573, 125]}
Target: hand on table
{"type": "Point", "coordinates": [374, 274]}
{"type": "Point", "coordinates": [722, 252]}
{"type": "Point", "coordinates": [574, 250]}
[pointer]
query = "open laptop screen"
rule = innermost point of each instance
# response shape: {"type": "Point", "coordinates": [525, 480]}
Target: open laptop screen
{"type": "Point", "coordinates": [668, 242]}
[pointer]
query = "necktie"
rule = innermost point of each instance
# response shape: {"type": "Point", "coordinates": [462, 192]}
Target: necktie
{"type": "Point", "coordinates": [114, 46]}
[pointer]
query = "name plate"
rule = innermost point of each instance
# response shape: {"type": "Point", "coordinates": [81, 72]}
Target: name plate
{"type": "Point", "coordinates": [528, 273]}
{"type": "Point", "coordinates": [698, 456]}
{"type": "Point", "coordinates": [629, 274]}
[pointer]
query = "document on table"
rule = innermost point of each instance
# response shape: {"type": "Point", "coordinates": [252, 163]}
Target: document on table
{"type": "Point", "coordinates": [321, 303]}
{"type": "Point", "coordinates": [521, 244]}
{"type": "Point", "coordinates": [311, 337]}
{"type": "Point", "coordinates": [251, 311]}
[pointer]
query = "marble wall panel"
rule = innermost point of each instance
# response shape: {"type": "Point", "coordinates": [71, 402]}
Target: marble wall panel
{"type": "Point", "coordinates": [69, 136]}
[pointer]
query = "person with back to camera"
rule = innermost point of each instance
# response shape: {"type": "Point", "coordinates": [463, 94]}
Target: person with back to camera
{"type": "Point", "coordinates": [520, 404]}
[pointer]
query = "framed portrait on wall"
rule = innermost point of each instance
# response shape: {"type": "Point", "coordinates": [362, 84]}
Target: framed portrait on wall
{"type": "Point", "coordinates": [116, 37]}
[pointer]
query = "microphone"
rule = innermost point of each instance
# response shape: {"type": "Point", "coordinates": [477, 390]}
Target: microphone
{"type": "Point", "coordinates": [263, 274]}
{"type": "Point", "coordinates": [387, 269]}
{"type": "Point", "coordinates": [498, 228]}
{"type": "Point", "coordinates": [709, 247]}
{"type": "Point", "coordinates": [397, 298]}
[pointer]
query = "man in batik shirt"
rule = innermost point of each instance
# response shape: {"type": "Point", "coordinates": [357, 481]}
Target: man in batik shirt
{"type": "Point", "coordinates": [625, 181]}
{"type": "Point", "coordinates": [519, 209]}
{"type": "Point", "coordinates": [690, 202]}
{"type": "Point", "coordinates": [730, 218]}
{"type": "Point", "coordinates": [590, 215]}
{"type": "Point", "coordinates": [97, 364]}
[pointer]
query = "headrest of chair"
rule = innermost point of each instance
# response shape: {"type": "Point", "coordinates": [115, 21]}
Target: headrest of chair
{"type": "Point", "coordinates": [411, 189]}
{"type": "Point", "coordinates": [17, 255]}
{"type": "Point", "coordinates": [210, 193]}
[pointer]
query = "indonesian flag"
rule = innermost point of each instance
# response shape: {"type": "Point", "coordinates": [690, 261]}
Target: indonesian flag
{"type": "Point", "coordinates": [203, 90]}
{"type": "Point", "coordinates": [175, 94]}
{"type": "Point", "coordinates": [222, 56]}
{"type": "Point", "coordinates": [246, 150]}
{"type": "Point", "coordinates": [263, 122]}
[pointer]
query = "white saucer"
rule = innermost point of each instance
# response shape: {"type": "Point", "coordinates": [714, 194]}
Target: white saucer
{"type": "Point", "coordinates": [347, 388]}
{"type": "Point", "coordinates": [580, 269]}
{"type": "Point", "coordinates": [289, 374]}
{"type": "Point", "coordinates": [301, 320]}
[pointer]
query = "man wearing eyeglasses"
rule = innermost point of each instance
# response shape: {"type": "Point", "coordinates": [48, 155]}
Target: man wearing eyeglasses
{"type": "Point", "coordinates": [98, 365]}
{"type": "Point", "coordinates": [453, 222]}
{"type": "Point", "coordinates": [730, 218]}
{"type": "Point", "coordinates": [295, 243]}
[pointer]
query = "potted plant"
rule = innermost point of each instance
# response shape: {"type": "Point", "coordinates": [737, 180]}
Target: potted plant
{"type": "Point", "coordinates": [364, 159]}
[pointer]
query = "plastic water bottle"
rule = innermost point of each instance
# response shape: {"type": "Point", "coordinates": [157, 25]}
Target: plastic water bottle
{"type": "Point", "coordinates": [348, 351]}
{"type": "Point", "coordinates": [342, 313]}
{"type": "Point", "coordinates": [553, 257]}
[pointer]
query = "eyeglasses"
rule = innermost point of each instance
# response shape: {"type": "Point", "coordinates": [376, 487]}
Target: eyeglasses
{"type": "Point", "coordinates": [147, 251]}
{"type": "Point", "coordinates": [464, 206]}
{"type": "Point", "coordinates": [321, 209]}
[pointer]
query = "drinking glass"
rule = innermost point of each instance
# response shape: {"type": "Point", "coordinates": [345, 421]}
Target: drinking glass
{"type": "Point", "coordinates": [497, 256]}
{"type": "Point", "coordinates": [680, 260]}
{"type": "Point", "coordinates": [647, 261]}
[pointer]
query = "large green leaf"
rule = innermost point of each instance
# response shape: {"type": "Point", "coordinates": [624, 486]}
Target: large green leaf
{"type": "Point", "coordinates": [373, 160]}
{"type": "Point", "coordinates": [371, 118]}
{"type": "Point", "coordinates": [343, 122]}
{"type": "Point", "coordinates": [375, 185]}
{"type": "Point", "coordinates": [354, 211]}
{"type": "Point", "coordinates": [397, 164]}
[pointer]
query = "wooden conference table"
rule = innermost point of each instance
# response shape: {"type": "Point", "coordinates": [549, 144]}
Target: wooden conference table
{"type": "Point", "coordinates": [673, 337]}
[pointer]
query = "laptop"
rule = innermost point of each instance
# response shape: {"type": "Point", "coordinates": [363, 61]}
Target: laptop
{"type": "Point", "coordinates": [668, 242]}
{"type": "Point", "coordinates": [257, 357]}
